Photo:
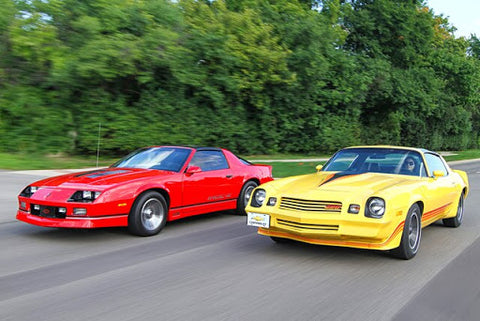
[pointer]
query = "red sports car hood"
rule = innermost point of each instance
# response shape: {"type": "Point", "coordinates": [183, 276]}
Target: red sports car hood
{"type": "Point", "coordinates": [101, 178]}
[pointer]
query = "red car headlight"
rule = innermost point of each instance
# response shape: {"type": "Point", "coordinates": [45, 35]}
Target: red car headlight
{"type": "Point", "coordinates": [84, 196]}
{"type": "Point", "coordinates": [29, 191]}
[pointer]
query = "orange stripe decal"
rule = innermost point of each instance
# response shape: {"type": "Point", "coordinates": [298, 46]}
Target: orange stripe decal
{"type": "Point", "coordinates": [429, 215]}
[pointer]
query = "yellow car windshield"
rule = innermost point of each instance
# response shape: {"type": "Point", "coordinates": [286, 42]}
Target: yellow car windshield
{"type": "Point", "coordinates": [377, 160]}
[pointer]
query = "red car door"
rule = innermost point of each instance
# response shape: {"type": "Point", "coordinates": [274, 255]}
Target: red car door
{"type": "Point", "coordinates": [212, 180]}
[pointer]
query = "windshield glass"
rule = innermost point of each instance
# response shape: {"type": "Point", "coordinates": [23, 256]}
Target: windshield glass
{"type": "Point", "coordinates": [162, 158]}
{"type": "Point", "coordinates": [377, 160]}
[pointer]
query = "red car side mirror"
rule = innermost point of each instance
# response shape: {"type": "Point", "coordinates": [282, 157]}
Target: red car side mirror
{"type": "Point", "coordinates": [192, 170]}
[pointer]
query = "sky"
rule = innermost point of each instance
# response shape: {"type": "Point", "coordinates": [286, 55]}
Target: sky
{"type": "Point", "coordinates": [462, 14]}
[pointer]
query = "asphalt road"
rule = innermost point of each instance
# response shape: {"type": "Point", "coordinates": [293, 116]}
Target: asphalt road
{"type": "Point", "coordinates": [214, 267]}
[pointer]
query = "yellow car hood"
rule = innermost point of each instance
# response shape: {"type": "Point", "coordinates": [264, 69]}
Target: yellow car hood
{"type": "Point", "coordinates": [331, 185]}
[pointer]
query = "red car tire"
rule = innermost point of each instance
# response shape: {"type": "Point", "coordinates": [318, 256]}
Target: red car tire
{"type": "Point", "coordinates": [148, 214]}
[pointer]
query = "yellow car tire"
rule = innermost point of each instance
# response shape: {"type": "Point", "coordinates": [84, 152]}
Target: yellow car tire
{"type": "Point", "coordinates": [458, 219]}
{"type": "Point", "coordinates": [412, 234]}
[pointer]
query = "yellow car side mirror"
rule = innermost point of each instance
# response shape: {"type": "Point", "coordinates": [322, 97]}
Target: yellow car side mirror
{"type": "Point", "coordinates": [318, 167]}
{"type": "Point", "coordinates": [437, 174]}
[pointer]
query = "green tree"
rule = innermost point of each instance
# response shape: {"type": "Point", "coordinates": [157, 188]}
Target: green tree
{"type": "Point", "coordinates": [250, 75]}
{"type": "Point", "coordinates": [229, 63]}
{"type": "Point", "coordinates": [411, 99]}
{"type": "Point", "coordinates": [116, 52]}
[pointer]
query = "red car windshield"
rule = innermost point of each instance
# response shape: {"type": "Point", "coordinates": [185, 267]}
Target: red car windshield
{"type": "Point", "coordinates": [161, 158]}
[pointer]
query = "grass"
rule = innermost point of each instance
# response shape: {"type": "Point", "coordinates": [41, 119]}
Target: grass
{"type": "Point", "coordinates": [35, 161]}
{"type": "Point", "coordinates": [280, 169]}
{"type": "Point", "coordinates": [283, 169]}
{"type": "Point", "coordinates": [305, 164]}
{"type": "Point", "coordinates": [254, 158]}
{"type": "Point", "coordinates": [462, 155]}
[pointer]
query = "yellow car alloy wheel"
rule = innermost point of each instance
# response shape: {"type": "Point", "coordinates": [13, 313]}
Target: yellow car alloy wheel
{"type": "Point", "coordinates": [412, 234]}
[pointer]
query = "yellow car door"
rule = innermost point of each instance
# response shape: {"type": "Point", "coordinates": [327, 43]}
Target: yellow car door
{"type": "Point", "coordinates": [442, 190]}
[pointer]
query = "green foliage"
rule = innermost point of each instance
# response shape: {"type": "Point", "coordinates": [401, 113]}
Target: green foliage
{"type": "Point", "coordinates": [421, 91]}
{"type": "Point", "coordinates": [7, 14]}
{"type": "Point", "coordinates": [254, 76]}
{"type": "Point", "coordinates": [31, 121]}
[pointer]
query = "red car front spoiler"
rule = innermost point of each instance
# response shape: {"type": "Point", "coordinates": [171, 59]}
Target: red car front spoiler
{"type": "Point", "coordinates": [74, 222]}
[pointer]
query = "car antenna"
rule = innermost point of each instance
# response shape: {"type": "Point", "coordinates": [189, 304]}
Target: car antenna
{"type": "Point", "coordinates": [98, 142]}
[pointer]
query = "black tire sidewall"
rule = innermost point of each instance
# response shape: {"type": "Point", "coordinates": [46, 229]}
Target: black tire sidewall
{"type": "Point", "coordinates": [135, 224]}
{"type": "Point", "coordinates": [240, 201]}
{"type": "Point", "coordinates": [462, 201]}
{"type": "Point", "coordinates": [404, 251]}
{"type": "Point", "coordinates": [456, 221]}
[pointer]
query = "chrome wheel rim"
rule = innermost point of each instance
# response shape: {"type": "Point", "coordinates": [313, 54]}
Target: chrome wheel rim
{"type": "Point", "coordinates": [460, 209]}
{"type": "Point", "coordinates": [247, 195]}
{"type": "Point", "coordinates": [152, 214]}
{"type": "Point", "coordinates": [413, 231]}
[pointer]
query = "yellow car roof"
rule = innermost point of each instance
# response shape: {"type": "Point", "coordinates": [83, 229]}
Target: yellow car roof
{"type": "Point", "coordinates": [420, 150]}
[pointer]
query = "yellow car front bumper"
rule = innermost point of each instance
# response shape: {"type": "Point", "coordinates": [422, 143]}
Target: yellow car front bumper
{"type": "Point", "coordinates": [346, 230]}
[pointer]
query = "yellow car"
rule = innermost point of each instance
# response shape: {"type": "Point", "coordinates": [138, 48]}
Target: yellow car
{"type": "Point", "coordinates": [370, 197]}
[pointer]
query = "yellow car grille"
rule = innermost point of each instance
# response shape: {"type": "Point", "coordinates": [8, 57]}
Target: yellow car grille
{"type": "Point", "coordinates": [288, 203]}
{"type": "Point", "coordinates": [306, 226]}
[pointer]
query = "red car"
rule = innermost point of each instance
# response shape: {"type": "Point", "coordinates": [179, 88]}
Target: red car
{"type": "Point", "coordinates": [144, 190]}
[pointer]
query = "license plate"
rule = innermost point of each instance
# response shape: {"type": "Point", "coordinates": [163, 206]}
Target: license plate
{"type": "Point", "coordinates": [258, 220]}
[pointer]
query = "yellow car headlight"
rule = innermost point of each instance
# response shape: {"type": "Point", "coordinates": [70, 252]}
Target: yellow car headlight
{"type": "Point", "coordinates": [375, 207]}
{"type": "Point", "coordinates": [259, 196]}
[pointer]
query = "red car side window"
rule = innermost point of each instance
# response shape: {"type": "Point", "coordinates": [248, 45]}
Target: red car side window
{"type": "Point", "coordinates": [209, 160]}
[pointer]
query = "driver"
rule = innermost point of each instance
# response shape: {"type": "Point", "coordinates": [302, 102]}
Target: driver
{"type": "Point", "coordinates": [409, 166]}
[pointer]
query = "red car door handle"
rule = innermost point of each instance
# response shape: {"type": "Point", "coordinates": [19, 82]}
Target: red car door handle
{"type": "Point", "coordinates": [229, 176]}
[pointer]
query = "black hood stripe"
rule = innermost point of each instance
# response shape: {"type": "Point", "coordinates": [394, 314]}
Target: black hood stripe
{"type": "Point", "coordinates": [335, 176]}
{"type": "Point", "coordinates": [100, 173]}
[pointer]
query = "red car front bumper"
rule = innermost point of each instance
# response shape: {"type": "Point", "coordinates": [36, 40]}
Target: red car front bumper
{"type": "Point", "coordinates": [74, 222]}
